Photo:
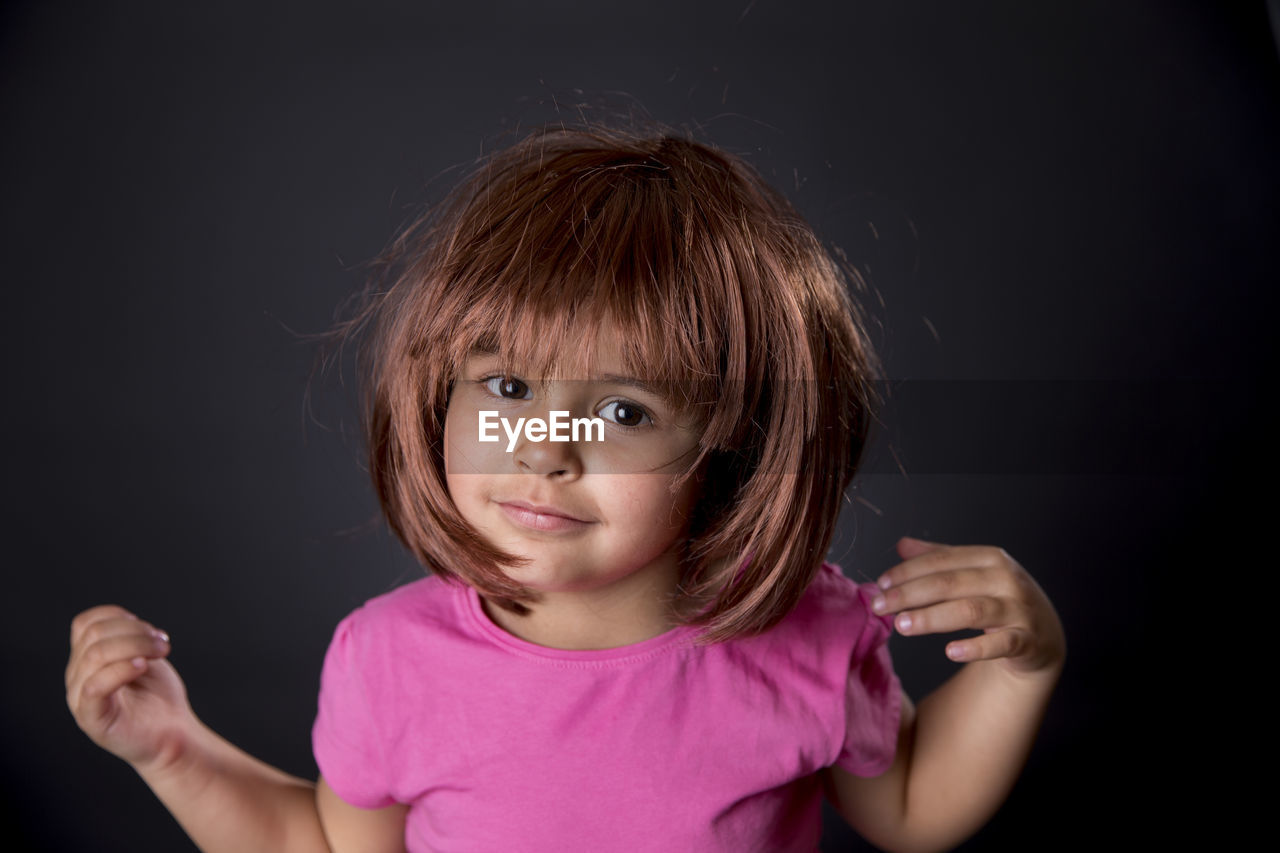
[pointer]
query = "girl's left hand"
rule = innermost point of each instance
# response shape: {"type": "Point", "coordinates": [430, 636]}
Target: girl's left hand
{"type": "Point", "coordinates": [942, 588]}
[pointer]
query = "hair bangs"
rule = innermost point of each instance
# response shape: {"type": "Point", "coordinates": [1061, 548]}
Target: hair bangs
{"type": "Point", "coordinates": [592, 253]}
{"type": "Point", "coordinates": [708, 285]}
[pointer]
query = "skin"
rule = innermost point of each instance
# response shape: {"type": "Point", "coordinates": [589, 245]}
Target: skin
{"type": "Point", "coordinates": [129, 700]}
{"type": "Point", "coordinates": [604, 583]}
{"type": "Point", "coordinates": [960, 753]}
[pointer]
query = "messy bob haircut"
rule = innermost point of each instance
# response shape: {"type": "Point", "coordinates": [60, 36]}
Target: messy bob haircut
{"type": "Point", "coordinates": [718, 290]}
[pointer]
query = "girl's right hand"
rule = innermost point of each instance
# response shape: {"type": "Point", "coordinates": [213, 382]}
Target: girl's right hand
{"type": "Point", "coordinates": [122, 692]}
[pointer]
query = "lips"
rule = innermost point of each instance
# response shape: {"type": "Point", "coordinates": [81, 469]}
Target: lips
{"type": "Point", "coordinates": [542, 510]}
{"type": "Point", "coordinates": [541, 517]}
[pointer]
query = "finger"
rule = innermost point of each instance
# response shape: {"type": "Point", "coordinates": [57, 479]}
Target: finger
{"type": "Point", "coordinates": [1008, 643]}
{"type": "Point", "coordinates": [92, 702]}
{"type": "Point", "coordinates": [935, 589]}
{"type": "Point", "coordinates": [105, 629]}
{"type": "Point", "coordinates": [82, 621]}
{"type": "Point", "coordinates": [110, 651]}
{"type": "Point", "coordinates": [958, 615]}
{"type": "Point", "coordinates": [940, 559]}
{"type": "Point", "coordinates": [909, 547]}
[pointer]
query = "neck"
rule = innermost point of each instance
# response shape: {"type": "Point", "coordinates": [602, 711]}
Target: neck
{"type": "Point", "coordinates": [621, 615]}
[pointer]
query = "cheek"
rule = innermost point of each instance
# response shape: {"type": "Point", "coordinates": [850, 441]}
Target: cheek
{"type": "Point", "coordinates": [455, 457]}
{"type": "Point", "coordinates": [647, 498]}
{"type": "Point", "coordinates": [470, 466]}
{"type": "Point", "coordinates": [459, 439]}
{"type": "Point", "coordinates": [450, 462]}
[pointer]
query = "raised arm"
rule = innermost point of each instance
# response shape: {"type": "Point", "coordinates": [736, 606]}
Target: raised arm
{"type": "Point", "coordinates": [129, 700]}
{"type": "Point", "coordinates": [227, 800]}
{"type": "Point", "coordinates": [960, 753]}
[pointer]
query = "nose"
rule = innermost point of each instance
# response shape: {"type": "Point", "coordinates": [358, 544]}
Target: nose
{"type": "Point", "coordinates": [548, 458]}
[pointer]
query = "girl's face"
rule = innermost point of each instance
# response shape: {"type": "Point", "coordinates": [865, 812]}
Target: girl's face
{"type": "Point", "coordinates": [591, 514]}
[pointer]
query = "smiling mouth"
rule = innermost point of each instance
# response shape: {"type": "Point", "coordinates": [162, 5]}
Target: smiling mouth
{"type": "Point", "coordinates": [542, 518]}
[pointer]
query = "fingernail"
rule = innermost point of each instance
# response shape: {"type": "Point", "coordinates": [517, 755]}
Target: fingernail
{"type": "Point", "coordinates": [160, 635]}
{"type": "Point", "coordinates": [877, 604]}
{"type": "Point", "coordinates": [138, 663]}
{"type": "Point", "coordinates": [904, 622]}
{"type": "Point", "coordinates": [884, 582]}
{"type": "Point", "coordinates": [956, 652]}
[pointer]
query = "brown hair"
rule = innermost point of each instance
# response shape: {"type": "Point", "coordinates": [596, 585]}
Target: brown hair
{"type": "Point", "coordinates": [718, 287]}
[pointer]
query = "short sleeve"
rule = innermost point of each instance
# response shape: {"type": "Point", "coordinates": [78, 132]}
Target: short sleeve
{"type": "Point", "coordinates": [873, 696]}
{"type": "Point", "coordinates": [345, 738]}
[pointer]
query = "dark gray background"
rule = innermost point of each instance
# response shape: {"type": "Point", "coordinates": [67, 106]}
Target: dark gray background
{"type": "Point", "coordinates": [1067, 210]}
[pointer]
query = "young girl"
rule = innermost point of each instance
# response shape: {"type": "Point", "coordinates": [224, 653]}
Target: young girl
{"type": "Point", "coordinates": [629, 639]}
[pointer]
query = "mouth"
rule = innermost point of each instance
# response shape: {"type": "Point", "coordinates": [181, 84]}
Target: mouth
{"type": "Point", "coordinates": [537, 517]}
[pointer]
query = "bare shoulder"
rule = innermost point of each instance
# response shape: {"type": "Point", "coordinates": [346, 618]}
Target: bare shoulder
{"type": "Point", "coordinates": [355, 830]}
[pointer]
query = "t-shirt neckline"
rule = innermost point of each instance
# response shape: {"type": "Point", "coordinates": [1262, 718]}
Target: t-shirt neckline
{"type": "Point", "coordinates": [469, 601]}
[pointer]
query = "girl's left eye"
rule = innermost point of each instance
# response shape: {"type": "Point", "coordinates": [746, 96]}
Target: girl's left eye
{"type": "Point", "coordinates": [626, 414]}
{"type": "Point", "coordinates": [508, 387]}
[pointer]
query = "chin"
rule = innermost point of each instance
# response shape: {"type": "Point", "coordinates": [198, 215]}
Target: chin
{"type": "Point", "coordinates": [535, 577]}
{"type": "Point", "coordinates": [552, 581]}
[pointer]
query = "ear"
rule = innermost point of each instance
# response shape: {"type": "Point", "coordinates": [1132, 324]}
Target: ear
{"type": "Point", "coordinates": [908, 547]}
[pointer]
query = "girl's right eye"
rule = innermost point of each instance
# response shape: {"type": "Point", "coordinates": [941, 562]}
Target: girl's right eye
{"type": "Point", "coordinates": [507, 386]}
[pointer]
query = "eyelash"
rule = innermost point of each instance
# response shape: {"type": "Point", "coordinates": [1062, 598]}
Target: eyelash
{"type": "Point", "coordinates": [644, 413]}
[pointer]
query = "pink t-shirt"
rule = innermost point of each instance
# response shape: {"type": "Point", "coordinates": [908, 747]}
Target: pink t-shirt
{"type": "Point", "coordinates": [500, 744]}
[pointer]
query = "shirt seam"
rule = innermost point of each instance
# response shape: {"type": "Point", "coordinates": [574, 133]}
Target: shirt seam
{"type": "Point", "coordinates": [463, 600]}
